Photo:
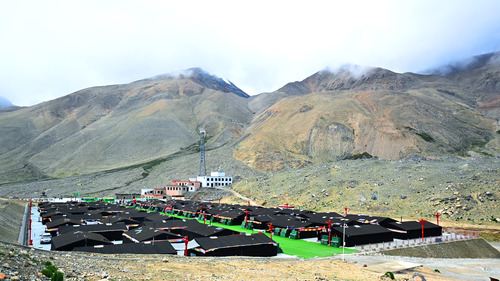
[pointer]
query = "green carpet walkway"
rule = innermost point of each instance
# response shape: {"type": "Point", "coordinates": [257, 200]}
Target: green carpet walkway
{"type": "Point", "coordinates": [293, 247]}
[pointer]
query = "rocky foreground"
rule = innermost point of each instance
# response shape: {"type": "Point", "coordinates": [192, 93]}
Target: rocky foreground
{"type": "Point", "coordinates": [22, 263]}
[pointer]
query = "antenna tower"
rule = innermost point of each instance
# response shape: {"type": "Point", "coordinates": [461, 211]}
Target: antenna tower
{"type": "Point", "coordinates": [202, 169]}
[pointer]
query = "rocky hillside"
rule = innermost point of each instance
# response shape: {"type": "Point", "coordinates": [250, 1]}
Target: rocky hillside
{"type": "Point", "coordinates": [121, 138]}
{"type": "Point", "coordinates": [333, 115]}
{"type": "Point", "coordinates": [104, 128]}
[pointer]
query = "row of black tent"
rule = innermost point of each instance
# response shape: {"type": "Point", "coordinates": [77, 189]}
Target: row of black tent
{"type": "Point", "coordinates": [97, 226]}
{"type": "Point", "coordinates": [143, 223]}
{"type": "Point", "coordinates": [358, 229]}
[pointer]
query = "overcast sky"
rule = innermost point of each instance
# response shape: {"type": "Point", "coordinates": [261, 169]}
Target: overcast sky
{"type": "Point", "coordinates": [50, 49]}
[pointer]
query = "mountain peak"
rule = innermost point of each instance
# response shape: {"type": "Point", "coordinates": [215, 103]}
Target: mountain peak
{"type": "Point", "coordinates": [468, 64]}
{"type": "Point", "coordinates": [205, 79]}
{"type": "Point", "coordinates": [350, 77]}
{"type": "Point", "coordinates": [353, 70]}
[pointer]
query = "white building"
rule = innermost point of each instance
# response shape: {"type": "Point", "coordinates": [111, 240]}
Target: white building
{"type": "Point", "coordinates": [214, 180]}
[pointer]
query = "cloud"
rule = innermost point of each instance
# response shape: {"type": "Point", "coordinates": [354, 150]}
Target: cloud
{"type": "Point", "coordinates": [55, 48]}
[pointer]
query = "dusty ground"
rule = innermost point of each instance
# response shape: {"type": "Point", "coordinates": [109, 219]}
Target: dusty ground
{"type": "Point", "coordinates": [20, 263]}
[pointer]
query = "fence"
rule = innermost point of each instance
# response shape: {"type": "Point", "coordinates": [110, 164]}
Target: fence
{"type": "Point", "coordinates": [24, 233]}
{"type": "Point", "coordinates": [397, 243]}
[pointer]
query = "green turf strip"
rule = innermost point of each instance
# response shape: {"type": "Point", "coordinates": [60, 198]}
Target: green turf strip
{"type": "Point", "coordinates": [293, 247]}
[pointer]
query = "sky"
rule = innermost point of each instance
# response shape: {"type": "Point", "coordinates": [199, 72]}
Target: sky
{"type": "Point", "coordinates": [49, 49]}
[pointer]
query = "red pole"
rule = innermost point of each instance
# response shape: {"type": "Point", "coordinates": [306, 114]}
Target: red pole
{"type": "Point", "coordinates": [246, 218]}
{"type": "Point", "coordinates": [186, 246]}
{"type": "Point", "coordinates": [204, 218]}
{"type": "Point", "coordinates": [437, 217]}
{"type": "Point", "coordinates": [345, 208]}
{"type": "Point", "coordinates": [329, 222]}
{"type": "Point", "coordinates": [422, 222]}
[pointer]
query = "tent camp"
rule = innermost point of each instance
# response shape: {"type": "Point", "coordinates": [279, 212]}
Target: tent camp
{"type": "Point", "coordinates": [236, 245]}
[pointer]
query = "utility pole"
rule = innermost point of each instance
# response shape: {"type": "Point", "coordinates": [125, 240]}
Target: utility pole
{"type": "Point", "coordinates": [202, 169]}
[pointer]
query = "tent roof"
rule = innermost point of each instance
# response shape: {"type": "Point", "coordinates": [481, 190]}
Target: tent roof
{"type": "Point", "coordinates": [157, 217]}
{"type": "Point", "coordinates": [147, 233]}
{"type": "Point", "coordinates": [367, 218]}
{"type": "Point", "coordinates": [60, 222]}
{"type": "Point", "coordinates": [161, 247]}
{"type": "Point", "coordinates": [214, 243]}
{"type": "Point", "coordinates": [167, 224]}
{"type": "Point", "coordinates": [73, 237]}
{"type": "Point", "coordinates": [367, 229]}
{"type": "Point", "coordinates": [411, 225]}
{"type": "Point", "coordinates": [94, 228]}
{"type": "Point", "coordinates": [207, 230]}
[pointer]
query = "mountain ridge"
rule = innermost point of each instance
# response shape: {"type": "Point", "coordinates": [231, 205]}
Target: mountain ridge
{"type": "Point", "coordinates": [330, 115]}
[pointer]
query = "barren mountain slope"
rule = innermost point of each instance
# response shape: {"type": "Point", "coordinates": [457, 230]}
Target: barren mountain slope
{"type": "Point", "coordinates": [480, 77]}
{"type": "Point", "coordinates": [331, 115]}
{"type": "Point", "coordinates": [109, 127]}
{"type": "Point", "coordinates": [322, 127]}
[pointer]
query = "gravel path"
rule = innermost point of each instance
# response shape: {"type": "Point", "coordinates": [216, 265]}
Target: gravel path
{"type": "Point", "coordinates": [462, 269]}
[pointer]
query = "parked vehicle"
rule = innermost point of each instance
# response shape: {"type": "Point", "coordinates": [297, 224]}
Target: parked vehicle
{"type": "Point", "coordinates": [46, 238]}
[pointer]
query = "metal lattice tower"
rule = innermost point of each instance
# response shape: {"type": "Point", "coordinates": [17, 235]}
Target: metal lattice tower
{"type": "Point", "coordinates": [202, 169]}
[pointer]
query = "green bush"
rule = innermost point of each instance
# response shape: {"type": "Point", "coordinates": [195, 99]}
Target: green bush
{"type": "Point", "coordinates": [390, 275]}
{"type": "Point", "coordinates": [51, 271]}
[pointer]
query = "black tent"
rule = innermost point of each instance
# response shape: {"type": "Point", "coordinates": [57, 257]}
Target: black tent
{"type": "Point", "coordinates": [363, 234]}
{"type": "Point", "coordinates": [53, 226]}
{"type": "Point", "coordinates": [147, 234]}
{"type": "Point", "coordinates": [367, 219]}
{"type": "Point", "coordinates": [162, 247]}
{"type": "Point", "coordinates": [70, 240]}
{"type": "Point", "coordinates": [174, 226]}
{"type": "Point", "coordinates": [283, 225]}
{"type": "Point", "coordinates": [413, 229]}
{"type": "Point", "coordinates": [230, 217]}
{"type": "Point", "coordinates": [109, 231]}
{"type": "Point", "coordinates": [323, 218]}
{"type": "Point", "coordinates": [205, 230]}
{"type": "Point", "coordinates": [127, 221]}
{"type": "Point", "coordinates": [236, 245]}
{"type": "Point", "coordinates": [157, 217]}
